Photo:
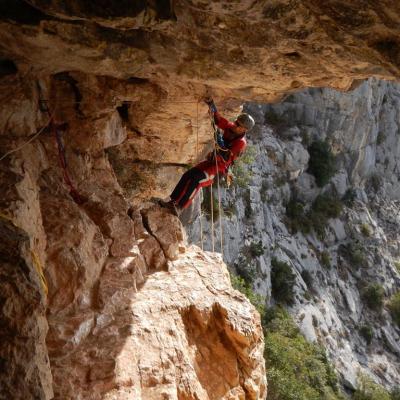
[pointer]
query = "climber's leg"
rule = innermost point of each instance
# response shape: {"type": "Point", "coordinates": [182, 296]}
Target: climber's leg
{"type": "Point", "coordinates": [201, 179]}
{"type": "Point", "coordinates": [181, 187]}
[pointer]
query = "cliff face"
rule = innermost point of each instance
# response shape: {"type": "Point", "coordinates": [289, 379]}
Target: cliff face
{"type": "Point", "coordinates": [358, 248]}
{"type": "Point", "coordinates": [115, 86]}
{"type": "Point", "coordinates": [131, 311]}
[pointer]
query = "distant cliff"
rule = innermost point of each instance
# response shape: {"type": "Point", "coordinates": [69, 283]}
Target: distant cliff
{"type": "Point", "coordinates": [340, 240]}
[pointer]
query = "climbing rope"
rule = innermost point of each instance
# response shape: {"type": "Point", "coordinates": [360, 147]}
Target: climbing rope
{"type": "Point", "coordinates": [39, 269]}
{"type": "Point", "coordinates": [216, 147]}
{"type": "Point", "coordinates": [212, 218]}
{"type": "Point", "coordinates": [29, 141]}
{"type": "Point", "coordinates": [197, 157]}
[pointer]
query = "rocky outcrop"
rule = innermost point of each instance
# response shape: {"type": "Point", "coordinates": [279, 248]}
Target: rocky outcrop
{"type": "Point", "coordinates": [358, 249]}
{"type": "Point", "coordinates": [116, 86]}
{"type": "Point", "coordinates": [102, 299]}
{"type": "Point", "coordinates": [248, 49]}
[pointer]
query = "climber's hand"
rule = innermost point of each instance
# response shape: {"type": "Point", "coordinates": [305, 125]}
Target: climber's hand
{"type": "Point", "coordinates": [210, 102]}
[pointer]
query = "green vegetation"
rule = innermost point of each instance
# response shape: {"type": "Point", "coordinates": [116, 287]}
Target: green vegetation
{"type": "Point", "coordinates": [246, 269]}
{"type": "Point", "coordinates": [397, 265]}
{"type": "Point", "coordinates": [381, 137]}
{"type": "Point", "coordinates": [369, 390]}
{"type": "Point", "coordinates": [282, 280]}
{"type": "Point", "coordinates": [316, 219]}
{"type": "Point", "coordinates": [257, 300]}
{"type": "Point", "coordinates": [374, 182]}
{"type": "Point", "coordinates": [395, 394]}
{"type": "Point", "coordinates": [256, 249]}
{"type": "Point", "coordinates": [325, 259]}
{"type": "Point", "coordinates": [328, 206]}
{"type": "Point", "coordinates": [322, 162]}
{"type": "Point", "coordinates": [296, 369]}
{"type": "Point", "coordinates": [394, 307]}
{"type": "Point", "coordinates": [241, 173]}
{"type": "Point", "coordinates": [307, 278]}
{"type": "Point", "coordinates": [373, 296]}
{"type": "Point", "coordinates": [366, 230]}
{"type": "Point", "coordinates": [245, 265]}
{"type": "Point", "coordinates": [264, 192]}
{"type": "Point", "coordinates": [349, 197]}
{"type": "Point", "coordinates": [248, 212]}
{"type": "Point", "coordinates": [367, 333]}
{"type": "Point", "coordinates": [305, 138]}
{"type": "Point", "coordinates": [354, 254]}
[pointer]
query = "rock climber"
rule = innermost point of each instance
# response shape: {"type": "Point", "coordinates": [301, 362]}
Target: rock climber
{"type": "Point", "coordinates": [230, 144]}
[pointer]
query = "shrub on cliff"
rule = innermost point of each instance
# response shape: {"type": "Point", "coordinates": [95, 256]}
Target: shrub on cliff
{"type": "Point", "coordinates": [257, 300]}
{"type": "Point", "coordinates": [394, 307]}
{"type": "Point", "coordinates": [367, 333]}
{"type": "Point", "coordinates": [282, 281]}
{"type": "Point", "coordinates": [316, 219]}
{"type": "Point", "coordinates": [241, 172]}
{"type": "Point", "coordinates": [354, 254]}
{"type": "Point", "coordinates": [369, 390]}
{"type": "Point", "coordinates": [395, 393]}
{"type": "Point", "coordinates": [373, 295]}
{"type": "Point", "coordinates": [296, 369]}
{"type": "Point", "coordinates": [322, 162]}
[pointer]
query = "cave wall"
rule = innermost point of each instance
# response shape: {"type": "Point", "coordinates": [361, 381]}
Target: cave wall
{"type": "Point", "coordinates": [122, 84]}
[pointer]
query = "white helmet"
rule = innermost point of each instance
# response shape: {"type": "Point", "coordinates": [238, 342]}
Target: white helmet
{"type": "Point", "coordinates": [245, 120]}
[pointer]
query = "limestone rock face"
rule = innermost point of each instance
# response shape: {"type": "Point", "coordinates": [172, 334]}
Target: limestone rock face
{"type": "Point", "coordinates": [102, 299]}
{"type": "Point", "coordinates": [363, 130]}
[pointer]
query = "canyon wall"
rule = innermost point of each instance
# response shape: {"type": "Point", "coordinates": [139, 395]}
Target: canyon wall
{"type": "Point", "coordinates": [356, 249]}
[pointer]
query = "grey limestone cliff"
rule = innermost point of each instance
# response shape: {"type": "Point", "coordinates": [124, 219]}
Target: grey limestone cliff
{"type": "Point", "coordinates": [334, 267]}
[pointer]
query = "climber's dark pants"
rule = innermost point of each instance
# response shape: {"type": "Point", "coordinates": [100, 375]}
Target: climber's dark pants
{"type": "Point", "coordinates": [189, 184]}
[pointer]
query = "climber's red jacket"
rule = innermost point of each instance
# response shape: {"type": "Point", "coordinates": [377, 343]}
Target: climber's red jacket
{"type": "Point", "coordinates": [235, 143]}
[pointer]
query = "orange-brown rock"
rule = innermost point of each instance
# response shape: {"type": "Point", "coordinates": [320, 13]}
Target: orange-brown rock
{"type": "Point", "coordinates": [131, 312]}
{"type": "Point", "coordinates": [184, 335]}
{"type": "Point", "coordinates": [248, 49]}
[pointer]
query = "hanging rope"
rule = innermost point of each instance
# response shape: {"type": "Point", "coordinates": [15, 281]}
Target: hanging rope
{"type": "Point", "coordinates": [39, 270]}
{"type": "Point", "coordinates": [215, 131]}
{"type": "Point", "coordinates": [29, 141]}
{"type": "Point", "coordinates": [212, 218]}
{"type": "Point", "coordinates": [197, 157]}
